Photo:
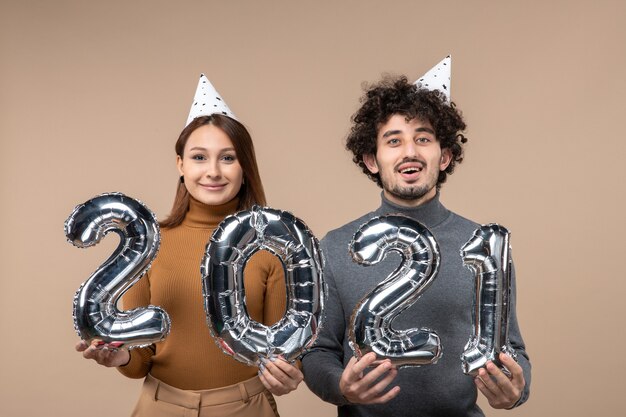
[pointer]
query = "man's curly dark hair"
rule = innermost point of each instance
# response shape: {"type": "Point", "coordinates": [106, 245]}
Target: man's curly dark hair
{"type": "Point", "coordinates": [397, 96]}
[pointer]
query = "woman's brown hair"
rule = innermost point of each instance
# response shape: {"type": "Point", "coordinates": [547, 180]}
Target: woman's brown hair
{"type": "Point", "coordinates": [251, 191]}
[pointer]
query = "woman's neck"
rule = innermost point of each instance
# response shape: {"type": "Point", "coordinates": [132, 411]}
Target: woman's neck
{"type": "Point", "coordinates": [204, 216]}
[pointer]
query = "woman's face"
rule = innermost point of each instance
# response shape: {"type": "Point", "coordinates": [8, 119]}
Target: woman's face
{"type": "Point", "coordinates": [210, 166]}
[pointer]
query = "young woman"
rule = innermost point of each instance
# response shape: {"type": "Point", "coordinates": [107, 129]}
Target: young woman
{"type": "Point", "coordinates": [188, 371]}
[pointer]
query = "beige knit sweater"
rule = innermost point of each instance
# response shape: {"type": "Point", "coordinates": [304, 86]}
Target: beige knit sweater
{"type": "Point", "coordinates": [189, 358]}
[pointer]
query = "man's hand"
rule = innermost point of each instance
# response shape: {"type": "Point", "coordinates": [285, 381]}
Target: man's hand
{"type": "Point", "coordinates": [360, 389]}
{"type": "Point", "coordinates": [500, 390]}
{"type": "Point", "coordinates": [106, 355]}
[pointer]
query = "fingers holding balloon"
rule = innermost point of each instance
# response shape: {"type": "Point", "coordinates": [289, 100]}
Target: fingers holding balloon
{"type": "Point", "coordinates": [500, 390]}
{"type": "Point", "coordinates": [104, 354]}
{"type": "Point", "coordinates": [89, 350]}
{"type": "Point", "coordinates": [285, 371]}
{"type": "Point", "coordinates": [515, 370]}
{"type": "Point", "coordinates": [368, 388]}
{"type": "Point", "coordinates": [279, 376]}
{"type": "Point", "coordinates": [389, 395]}
{"type": "Point", "coordinates": [358, 366]}
{"type": "Point", "coordinates": [486, 381]}
{"type": "Point", "coordinates": [81, 346]}
{"type": "Point", "coordinates": [375, 393]}
{"type": "Point", "coordinates": [512, 383]}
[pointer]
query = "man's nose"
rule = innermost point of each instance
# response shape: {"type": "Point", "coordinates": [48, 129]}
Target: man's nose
{"type": "Point", "coordinates": [410, 150]}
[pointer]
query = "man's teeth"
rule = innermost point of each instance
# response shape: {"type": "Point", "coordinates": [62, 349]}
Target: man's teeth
{"type": "Point", "coordinates": [410, 170]}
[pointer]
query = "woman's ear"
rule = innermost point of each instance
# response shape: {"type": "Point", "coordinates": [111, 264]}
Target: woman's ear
{"type": "Point", "coordinates": [179, 165]}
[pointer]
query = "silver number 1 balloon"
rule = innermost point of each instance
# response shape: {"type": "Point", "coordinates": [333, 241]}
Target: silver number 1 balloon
{"type": "Point", "coordinates": [371, 322]}
{"type": "Point", "coordinates": [232, 244]}
{"type": "Point", "coordinates": [487, 254]}
{"type": "Point", "coordinates": [96, 316]}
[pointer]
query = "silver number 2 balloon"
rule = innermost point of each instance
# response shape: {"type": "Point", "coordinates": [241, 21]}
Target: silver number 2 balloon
{"type": "Point", "coordinates": [96, 316]}
{"type": "Point", "coordinates": [371, 322]}
{"type": "Point", "coordinates": [232, 244]}
{"type": "Point", "coordinates": [487, 254]}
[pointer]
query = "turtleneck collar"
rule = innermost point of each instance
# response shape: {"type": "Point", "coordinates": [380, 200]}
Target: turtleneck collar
{"type": "Point", "coordinates": [431, 214]}
{"type": "Point", "coordinates": [203, 216]}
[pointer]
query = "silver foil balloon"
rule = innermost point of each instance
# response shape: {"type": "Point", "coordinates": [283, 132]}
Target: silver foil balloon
{"type": "Point", "coordinates": [371, 322]}
{"type": "Point", "coordinates": [96, 316]}
{"type": "Point", "coordinates": [487, 254]}
{"type": "Point", "coordinates": [232, 244]}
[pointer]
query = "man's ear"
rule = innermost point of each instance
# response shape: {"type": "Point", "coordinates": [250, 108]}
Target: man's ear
{"type": "Point", "coordinates": [370, 162]}
{"type": "Point", "coordinates": [446, 157]}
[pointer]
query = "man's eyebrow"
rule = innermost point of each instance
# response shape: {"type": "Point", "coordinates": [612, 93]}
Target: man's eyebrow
{"type": "Point", "coordinates": [425, 129]}
{"type": "Point", "coordinates": [418, 130]}
{"type": "Point", "coordinates": [391, 133]}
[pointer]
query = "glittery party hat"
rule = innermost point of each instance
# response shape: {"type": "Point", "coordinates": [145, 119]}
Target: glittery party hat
{"type": "Point", "coordinates": [438, 77]}
{"type": "Point", "coordinates": [207, 101]}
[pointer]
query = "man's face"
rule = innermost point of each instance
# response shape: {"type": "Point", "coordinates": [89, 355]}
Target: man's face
{"type": "Point", "coordinates": [408, 159]}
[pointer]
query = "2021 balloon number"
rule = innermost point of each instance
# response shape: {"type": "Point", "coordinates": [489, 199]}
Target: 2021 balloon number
{"type": "Point", "coordinates": [232, 244]}
{"type": "Point", "coordinates": [486, 254]}
{"type": "Point", "coordinates": [96, 316]}
{"type": "Point", "coordinates": [370, 325]}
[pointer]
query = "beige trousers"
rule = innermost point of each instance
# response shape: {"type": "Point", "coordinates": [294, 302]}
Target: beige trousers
{"type": "Point", "coordinates": [245, 399]}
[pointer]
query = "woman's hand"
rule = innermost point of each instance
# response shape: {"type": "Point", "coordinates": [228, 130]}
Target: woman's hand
{"type": "Point", "coordinates": [279, 376]}
{"type": "Point", "coordinates": [105, 354]}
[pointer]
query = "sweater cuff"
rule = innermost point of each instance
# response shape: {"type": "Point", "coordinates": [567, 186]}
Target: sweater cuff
{"type": "Point", "coordinates": [522, 399]}
{"type": "Point", "coordinates": [139, 364]}
{"type": "Point", "coordinates": [339, 399]}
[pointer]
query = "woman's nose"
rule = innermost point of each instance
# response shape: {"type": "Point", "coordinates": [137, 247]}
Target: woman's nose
{"type": "Point", "coordinates": [213, 170]}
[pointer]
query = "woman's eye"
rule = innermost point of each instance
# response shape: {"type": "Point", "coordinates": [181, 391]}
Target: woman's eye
{"type": "Point", "coordinates": [229, 158]}
{"type": "Point", "coordinates": [198, 157]}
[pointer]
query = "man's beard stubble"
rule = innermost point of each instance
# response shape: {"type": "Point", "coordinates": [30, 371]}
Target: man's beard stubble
{"type": "Point", "coordinates": [411, 192]}
{"type": "Point", "coordinates": [408, 193]}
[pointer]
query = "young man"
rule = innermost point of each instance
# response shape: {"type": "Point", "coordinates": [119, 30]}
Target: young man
{"type": "Point", "coordinates": [408, 139]}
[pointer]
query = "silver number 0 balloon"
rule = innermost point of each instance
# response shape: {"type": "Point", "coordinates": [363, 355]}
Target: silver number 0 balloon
{"type": "Point", "coordinates": [96, 316]}
{"type": "Point", "coordinates": [487, 254]}
{"type": "Point", "coordinates": [232, 244]}
{"type": "Point", "coordinates": [371, 322]}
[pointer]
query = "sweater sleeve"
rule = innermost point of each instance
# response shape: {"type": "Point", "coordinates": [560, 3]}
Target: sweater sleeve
{"type": "Point", "coordinates": [515, 337]}
{"type": "Point", "coordinates": [140, 358]}
{"type": "Point", "coordinates": [323, 363]}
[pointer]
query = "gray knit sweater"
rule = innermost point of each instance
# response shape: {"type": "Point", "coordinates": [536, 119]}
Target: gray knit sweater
{"type": "Point", "coordinates": [441, 389]}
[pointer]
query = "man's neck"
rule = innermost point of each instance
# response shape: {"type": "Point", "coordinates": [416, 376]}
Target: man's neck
{"type": "Point", "coordinates": [410, 203]}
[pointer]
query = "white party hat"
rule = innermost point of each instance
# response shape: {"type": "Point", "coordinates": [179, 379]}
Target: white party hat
{"type": "Point", "coordinates": [207, 101]}
{"type": "Point", "coordinates": [438, 78]}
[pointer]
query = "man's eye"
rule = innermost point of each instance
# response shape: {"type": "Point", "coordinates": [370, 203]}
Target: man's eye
{"type": "Point", "coordinates": [423, 140]}
{"type": "Point", "coordinates": [393, 141]}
